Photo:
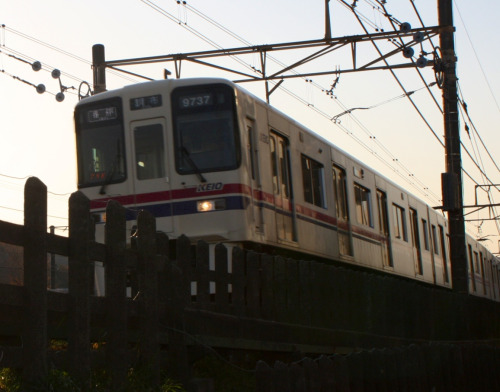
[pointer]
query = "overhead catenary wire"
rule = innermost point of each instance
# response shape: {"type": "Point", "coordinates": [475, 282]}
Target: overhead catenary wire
{"type": "Point", "coordinates": [219, 26]}
{"type": "Point", "coordinates": [474, 160]}
{"type": "Point", "coordinates": [4, 29]}
{"type": "Point", "coordinates": [477, 57]}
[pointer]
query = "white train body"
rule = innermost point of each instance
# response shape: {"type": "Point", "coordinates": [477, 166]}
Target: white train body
{"type": "Point", "coordinates": [213, 162]}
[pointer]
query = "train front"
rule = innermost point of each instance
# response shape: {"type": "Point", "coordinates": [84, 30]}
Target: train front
{"type": "Point", "coordinates": [171, 147]}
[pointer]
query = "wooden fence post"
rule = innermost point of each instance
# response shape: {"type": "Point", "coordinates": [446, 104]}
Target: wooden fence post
{"type": "Point", "coordinates": [267, 287]}
{"type": "Point", "coordinates": [238, 283]}
{"type": "Point", "coordinates": [147, 268]}
{"type": "Point", "coordinates": [35, 284]}
{"type": "Point", "coordinates": [222, 279]}
{"type": "Point", "coordinates": [279, 289]}
{"type": "Point", "coordinates": [253, 284]}
{"type": "Point", "coordinates": [116, 305]}
{"type": "Point", "coordinates": [264, 377]}
{"type": "Point", "coordinates": [78, 283]}
{"type": "Point", "coordinates": [180, 280]}
{"type": "Point", "coordinates": [202, 276]}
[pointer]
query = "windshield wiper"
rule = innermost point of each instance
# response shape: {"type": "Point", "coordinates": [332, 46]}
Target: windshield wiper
{"type": "Point", "coordinates": [193, 165]}
{"type": "Point", "coordinates": [114, 167]}
{"type": "Point", "coordinates": [108, 181]}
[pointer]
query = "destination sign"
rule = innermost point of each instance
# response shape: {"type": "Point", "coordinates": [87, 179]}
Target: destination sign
{"type": "Point", "coordinates": [151, 101]}
{"type": "Point", "coordinates": [102, 114]}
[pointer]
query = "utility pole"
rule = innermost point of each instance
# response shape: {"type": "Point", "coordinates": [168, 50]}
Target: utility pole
{"type": "Point", "coordinates": [452, 179]}
{"type": "Point", "coordinates": [99, 68]}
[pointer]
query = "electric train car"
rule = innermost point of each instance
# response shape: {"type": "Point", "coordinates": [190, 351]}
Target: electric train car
{"type": "Point", "coordinates": [213, 162]}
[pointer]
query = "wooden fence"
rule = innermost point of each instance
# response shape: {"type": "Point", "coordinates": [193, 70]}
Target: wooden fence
{"type": "Point", "coordinates": [414, 368]}
{"type": "Point", "coordinates": [183, 297]}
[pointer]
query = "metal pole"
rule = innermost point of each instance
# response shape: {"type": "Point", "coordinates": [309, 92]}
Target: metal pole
{"type": "Point", "coordinates": [52, 263]}
{"type": "Point", "coordinates": [99, 68]}
{"type": "Point", "coordinates": [328, 28]}
{"type": "Point", "coordinates": [452, 179]}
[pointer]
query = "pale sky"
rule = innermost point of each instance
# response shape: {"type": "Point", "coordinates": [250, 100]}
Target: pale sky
{"type": "Point", "coordinates": [38, 135]}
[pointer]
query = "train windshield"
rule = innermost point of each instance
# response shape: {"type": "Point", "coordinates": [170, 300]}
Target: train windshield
{"type": "Point", "coordinates": [100, 143]}
{"type": "Point", "coordinates": [205, 129]}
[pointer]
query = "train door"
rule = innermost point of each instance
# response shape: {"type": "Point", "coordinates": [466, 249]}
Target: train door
{"type": "Point", "coordinates": [151, 173]}
{"type": "Point", "coordinates": [254, 175]}
{"type": "Point", "coordinates": [415, 240]}
{"type": "Point", "coordinates": [342, 210]}
{"type": "Point", "coordinates": [429, 234]}
{"type": "Point", "coordinates": [444, 253]}
{"type": "Point", "coordinates": [383, 217]}
{"type": "Point", "coordinates": [282, 188]}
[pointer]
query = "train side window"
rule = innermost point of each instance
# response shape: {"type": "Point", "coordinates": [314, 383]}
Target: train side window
{"type": "Point", "coordinates": [481, 258]}
{"type": "Point", "coordinates": [342, 210]}
{"type": "Point", "coordinates": [383, 219]}
{"type": "Point", "coordinates": [363, 205]}
{"type": "Point", "coordinates": [274, 164]}
{"type": "Point", "coordinates": [284, 168]}
{"type": "Point", "coordinates": [443, 248]}
{"type": "Point", "coordinates": [471, 266]}
{"type": "Point", "coordinates": [415, 236]}
{"type": "Point", "coordinates": [426, 234]}
{"type": "Point", "coordinates": [149, 154]}
{"type": "Point", "coordinates": [400, 230]}
{"type": "Point", "coordinates": [434, 240]}
{"type": "Point", "coordinates": [251, 151]}
{"type": "Point", "coordinates": [340, 191]}
{"type": "Point", "coordinates": [476, 263]}
{"type": "Point", "coordinates": [312, 178]}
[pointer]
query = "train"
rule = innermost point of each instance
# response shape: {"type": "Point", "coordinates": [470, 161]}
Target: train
{"type": "Point", "coordinates": [213, 162]}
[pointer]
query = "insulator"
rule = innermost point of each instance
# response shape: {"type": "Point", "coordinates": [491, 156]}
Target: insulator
{"type": "Point", "coordinates": [404, 27]}
{"type": "Point", "coordinates": [40, 89]}
{"type": "Point", "coordinates": [36, 66]}
{"type": "Point", "coordinates": [56, 74]}
{"type": "Point", "coordinates": [408, 52]}
{"type": "Point", "coordinates": [59, 97]}
{"type": "Point", "coordinates": [421, 62]}
{"type": "Point", "coordinates": [418, 36]}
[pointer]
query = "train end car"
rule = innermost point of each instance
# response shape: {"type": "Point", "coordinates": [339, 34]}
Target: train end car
{"type": "Point", "coordinates": [213, 162]}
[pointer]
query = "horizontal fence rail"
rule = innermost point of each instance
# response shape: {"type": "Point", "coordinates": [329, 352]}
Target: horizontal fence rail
{"type": "Point", "coordinates": [164, 297]}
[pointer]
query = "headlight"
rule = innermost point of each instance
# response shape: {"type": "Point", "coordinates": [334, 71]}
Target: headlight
{"type": "Point", "coordinates": [211, 205]}
{"type": "Point", "coordinates": [100, 217]}
{"type": "Point", "coordinates": [206, 205]}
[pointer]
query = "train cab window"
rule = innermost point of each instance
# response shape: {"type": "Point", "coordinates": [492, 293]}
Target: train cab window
{"type": "Point", "coordinates": [400, 230]}
{"type": "Point", "coordinates": [312, 178]}
{"type": "Point", "coordinates": [149, 154]}
{"type": "Point", "coordinates": [100, 143]}
{"type": "Point", "coordinates": [425, 230]}
{"type": "Point", "coordinates": [206, 134]}
{"type": "Point", "coordinates": [363, 205]}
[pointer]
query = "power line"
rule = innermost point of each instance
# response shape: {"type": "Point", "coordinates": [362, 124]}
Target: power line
{"type": "Point", "coordinates": [219, 26]}
{"type": "Point", "coordinates": [54, 48]}
{"type": "Point", "coordinates": [477, 57]}
{"type": "Point", "coordinates": [464, 110]}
